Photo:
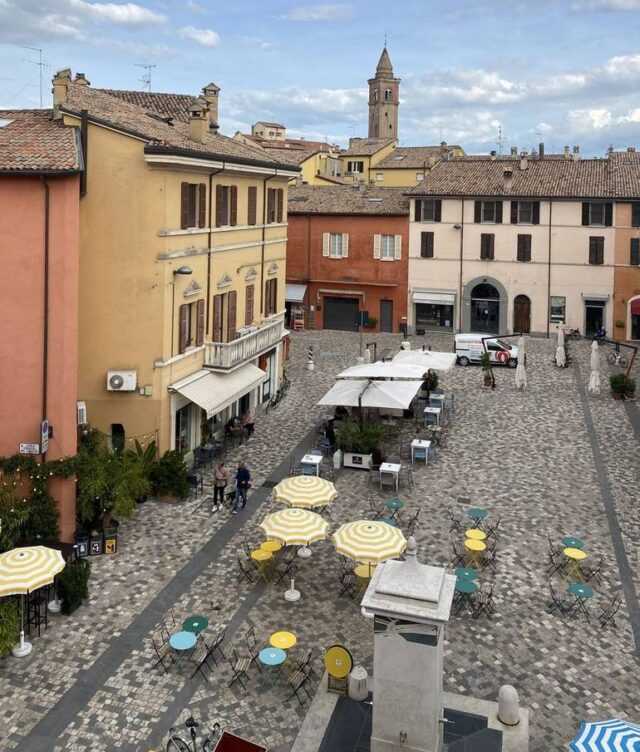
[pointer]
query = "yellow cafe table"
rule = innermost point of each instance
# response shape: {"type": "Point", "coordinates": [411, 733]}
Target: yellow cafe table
{"type": "Point", "coordinates": [283, 640]}
{"type": "Point", "coordinates": [262, 558]}
{"type": "Point", "coordinates": [476, 534]}
{"type": "Point", "coordinates": [273, 546]}
{"type": "Point", "coordinates": [475, 548]}
{"type": "Point", "coordinates": [575, 556]}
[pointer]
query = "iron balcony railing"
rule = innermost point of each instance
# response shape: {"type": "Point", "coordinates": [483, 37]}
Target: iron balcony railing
{"type": "Point", "coordinates": [228, 355]}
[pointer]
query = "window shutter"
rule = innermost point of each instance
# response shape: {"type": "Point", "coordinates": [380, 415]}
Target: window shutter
{"type": "Point", "coordinates": [270, 206]}
{"type": "Point", "coordinates": [634, 259]}
{"type": "Point", "coordinates": [232, 297]}
{"type": "Point", "coordinates": [536, 213]}
{"type": "Point", "coordinates": [438, 210]}
{"type": "Point", "coordinates": [492, 239]}
{"type": "Point", "coordinates": [217, 317]}
{"type": "Point", "coordinates": [417, 216]}
{"type": "Point", "coordinates": [608, 214]}
{"type": "Point", "coordinates": [326, 243]}
{"type": "Point", "coordinates": [202, 206]}
{"type": "Point", "coordinates": [280, 204]}
{"type": "Point", "coordinates": [233, 202]}
{"type": "Point", "coordinates": [274, 305]}
{"type": "Point", "coordinates": [585, 213]}
{"type": "Point", "coordinates": [183, 327]}
{"type": "Point", "coordinates": [220, 210]}
{"type": "Point", "coordinates": [345, 245]}
{"type": "Point", "coordinates": [524, 247]}
{"type": "Point", "coordinates": [398, 247]}
{"type": "Point", "coordinates": [514, 212]}
{"type": "Point", "coordinates": [477, 211]}
{"type": "Point", "coordinates": [184, 206]}
{"type": "Point", "coordinates": [635, 215]}
{"type": "Point", "coordinates": [200, 323]}
{"type": "Point", "coordinates": [252, 205]}
{"type": "Point", "coordinates": [499, 212]}
{"type": "Point", "coordinates": [377, 242]}
{"type": "Point", "coordinates": [426, 245]}
{"type": "Point", "coordinates": [248, 305]}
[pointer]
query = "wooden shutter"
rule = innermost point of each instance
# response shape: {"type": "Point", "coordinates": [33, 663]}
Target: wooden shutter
{"type": "Point", "coordinates": [426, 245]}
{"type": "Point", "coordinates": [248, 305]}
{"type": "Point", "coordinates": [417, 216]}
{"type": "Point", "coordinates": [397, 247]}
{"type": "Point", "coordinates": [536, 213]}
{"type": "Point", "coordinates": [200, 323]}
{"type": "Point", "coordinates": [486, 246]}
{"type": "Point", "coordinates": [499, 212]}
{"type": "Point", "coordinates": [345, 245]}
{"type": "Point", "coordinates": [635, 215]}
{"type": "Point", "coordinates": [252, 205]}
{"type": "Point", "coordinates": [274, 296]}
{"type": "Point", "coordinates": [280, 204]}
{"type": "Point", "coordinates": [233, 204]}
{"type": "Point", "coordinates": [608, 214]}
{"type": "Point", "coordinates": [596, 250]}
{"type": "Point", "coordinates": [326, 244]}
{"type": "Point", "coordinates": [202, 205]}
{"type": "Point", "coordinates": [585, 212]}
{"type": "Point", "coordinates": [220, 209]}
{"type": "Point", "coordinates": [437, 214]}
{"type": "Point", "coordinates": [492, 239]}
{"type": "Point", "coordinates": [634, 257]}
{"type": "Point", "coordinates": [377, 243]}
{"type": "Point", "coordinates": [232, 299]}
{"type": "Point", "coordinates": [271, 201]}
{"type": "Point", "coordinates": [183, 328]}
{"type": "Point", "coordinates": [477, 211]}
{"type": "Point", "coordinates": [184, 206]}
{"type": "Point", "coordinates": [524, 247]}
{"type": "Point", "coordinates": [217, 317]}
{"type": "Point", "coordinates": [514, 212]}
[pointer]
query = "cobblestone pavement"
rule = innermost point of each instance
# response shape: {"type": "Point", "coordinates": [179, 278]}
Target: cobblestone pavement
{"type": "Point", "coordinates": [528, 457]}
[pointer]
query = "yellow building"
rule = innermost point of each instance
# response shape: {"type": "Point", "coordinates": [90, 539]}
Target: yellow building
{"type": "Point", "coordinates": [182, 265]}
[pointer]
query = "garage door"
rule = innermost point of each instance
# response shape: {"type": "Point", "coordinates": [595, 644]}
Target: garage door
{"type": "Point", "coordinates": [341, 313]}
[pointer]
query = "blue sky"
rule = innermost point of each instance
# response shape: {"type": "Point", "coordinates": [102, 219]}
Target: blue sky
{"type": "Point", "coordinates": [565, 72]}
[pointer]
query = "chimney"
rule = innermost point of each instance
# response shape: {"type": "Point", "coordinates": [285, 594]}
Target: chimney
{"type": "Point", "coordinates": [541, 150]}
{"type": "Point", "coordinates": [631, 149]}
{"type": "Point", "coordinates": [566, 152]}
{"type": "Point", "coordinates": [508, 179]}
{"type": "Point", "coordinates": [61, 82]}
{"type": "Point", "coordinates": [198, 120]}
{"type": "Point", "coordinates": [524, 161]}
{"type": "Point", "coordinates": [610, 150]}
{"type": "Point", "coordinates": [82, 80]}
{"type": "Point", "coordinates": [211, 93]}
{"type": "Point", "coordinates": [492, 154]}
{"type": "Point", "coordinates": [514, 151]}
{"type": "Point", "coordinates": [576, 152]}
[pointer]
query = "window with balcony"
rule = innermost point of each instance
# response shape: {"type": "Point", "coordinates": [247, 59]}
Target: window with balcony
{"type": "Point", "coordinates": [271, 297]}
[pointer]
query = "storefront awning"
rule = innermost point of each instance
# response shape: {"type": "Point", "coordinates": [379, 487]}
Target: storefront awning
{"type": "Point", "coordinates": [435, 298]}
{"type": "Point", "coordinates": [295, 293]}
{"type": "Point", "coordinates": [390, 395]}
{"type": "Point", "coordinates": [215, 391]}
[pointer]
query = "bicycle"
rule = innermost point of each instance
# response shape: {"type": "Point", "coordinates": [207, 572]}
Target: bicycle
{"type": "Point", "coordinates": [175, 743]}
{"type": "Point", "coordinates": [616, 358]}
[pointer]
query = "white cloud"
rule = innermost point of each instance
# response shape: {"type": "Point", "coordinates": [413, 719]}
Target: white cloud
{"type": "Point", "coordinates": [319, 13]}
{"type": "Point", "coordinates": [543, 128]}
{"type": "Point", "coordinates": [129, 14]}
{"type": "Point", "coordinates": [204, 37]}
{"type": "Point", "coordinates": [607, 5]}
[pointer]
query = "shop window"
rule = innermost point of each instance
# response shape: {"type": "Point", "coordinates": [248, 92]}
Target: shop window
{"type": "Point", "coordinates": [558, 309]}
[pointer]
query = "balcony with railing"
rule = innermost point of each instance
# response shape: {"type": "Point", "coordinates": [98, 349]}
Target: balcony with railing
{"type": "Point", "coordinates": [226, 356]}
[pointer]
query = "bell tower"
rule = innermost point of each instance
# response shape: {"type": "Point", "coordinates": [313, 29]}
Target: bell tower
{"type": "Point", "coordinates": [384, 98]}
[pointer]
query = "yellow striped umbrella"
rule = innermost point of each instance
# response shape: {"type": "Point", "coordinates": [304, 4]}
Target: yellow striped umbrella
{"type": "Point", "coordinates": [295, 527]}
{"type": "Point", "coordinates": [305, 491]}
{"type": "Point", "coordinates": [369, 541]}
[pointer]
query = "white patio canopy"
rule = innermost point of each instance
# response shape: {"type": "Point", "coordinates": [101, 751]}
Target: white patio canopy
{"type": "Point", "coordinates": [389, 395]}
{"type": "Point", "coordinates": [384, 370]}
{"type": "Point", "coordinates": [426, 359]}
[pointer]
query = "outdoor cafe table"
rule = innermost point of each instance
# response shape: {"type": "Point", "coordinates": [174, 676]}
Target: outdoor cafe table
{"type": "Point", "coordinates": [311, 464]}
{"type": "Point", "coordinates": [283, 640]}
{"type": "Point", "coordinates": [582, 594]}
{"type": "Point", "coordinates": [272, 658]}
{"type": "Point", "coordinates": [394, 506]}
{"type": "Point", "coordinates": [262, 558]}
{"type": "Point", "coordinates": [475, 548]}
{"type": "Point", "coordinates": [272, 546]}
{"type": "Point", "coordinates": [476, 534]}
{"type": "Point", "coordinates": [391, 468]}
{"type": "Point", "coordinates": [477, 514]}
{"type": "Point", "coordinates": [465, 588]}
{"type": "Point", "coordinates": [182, 642]}
{"type": "Point", "coordinates": [195, 624]}
{"type": "Point", "coordinates": [570, 542]}
{"type": "Point", "coordinates": [432, 414]}
{"type": "Point", "coordinates": [466, 573]}
{"type": "Point", "coordinates": [420, 447]}
{"type": "Point", "coordinates": [575, 556]}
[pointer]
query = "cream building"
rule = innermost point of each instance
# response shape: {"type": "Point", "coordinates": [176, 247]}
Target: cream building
{"type": "Point", "coordinates": [513, 244]}
{"type": "Point", "coordinates": [182, 265]}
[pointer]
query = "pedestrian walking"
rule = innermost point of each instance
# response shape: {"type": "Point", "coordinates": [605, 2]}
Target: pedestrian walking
{"type": "Point", "coordinates": [248, 420]}
{"type": "Point", "coordinates": [243, 484]}
{"type": "Point", "coordinates": [220, 481]}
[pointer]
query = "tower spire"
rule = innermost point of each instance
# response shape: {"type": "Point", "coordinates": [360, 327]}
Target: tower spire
{"type": "Point", "coordinates": [384, 99]}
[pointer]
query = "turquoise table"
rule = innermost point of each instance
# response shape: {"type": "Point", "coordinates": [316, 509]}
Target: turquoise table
{"type": "Point", "coordinates": [571, 542]}
{"type": "Point", "coordinates": [195, 624]}
{"type": "Point", "coordinates": [272, 658]}
{"type": "Point", "coordinates": [466, 573]}
{"type": "Point", "coordinates": [465, 588]}
{"type": "Point", "coordinates": [389, 520]}
{"type": "Point", "coordinates": [182, 641]}
{"type": "Point", "coordinates": [582, 593]}
{"type": "Point", "coordinates": [477, 514]}
{"type": "Point", "coordinates": [394, 504]}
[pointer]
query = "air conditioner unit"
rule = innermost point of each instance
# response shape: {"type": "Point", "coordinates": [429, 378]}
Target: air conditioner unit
{"type": "Point", "coordinates": [81, 412]}
{"type": "Point", "coordinates": [121, 381]}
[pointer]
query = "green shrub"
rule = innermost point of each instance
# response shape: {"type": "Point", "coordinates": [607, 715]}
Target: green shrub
{"type": "Point", "coordinates": [9, 624]}
{"type": "Point", "coordinates": [73, 585]}
{"type": "Point", "coordinates": [622, 385]}
{"type": "Point", "coordinates": [361, 439]}
{"type": "Point", "coordinates": [169, 475]}
{"type": "Point", "coordinates": [13, 518]}
{"type": "Point", "coordinates": [430, 381]}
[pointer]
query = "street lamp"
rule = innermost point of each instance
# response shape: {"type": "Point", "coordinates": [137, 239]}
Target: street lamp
{"type": "Point", "coordinates": [182, 271]}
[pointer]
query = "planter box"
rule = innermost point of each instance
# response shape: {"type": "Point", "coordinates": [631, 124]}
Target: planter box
{"type": "Point", "coordinates": [357, 461]}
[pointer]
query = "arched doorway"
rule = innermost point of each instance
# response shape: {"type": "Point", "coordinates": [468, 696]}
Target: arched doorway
{"type": "Point", "coordinates": [634, 318]}
{"type": "Point", "coordinates": [485, 309]}
{"type": "Point", "coordinates": [522, 314]}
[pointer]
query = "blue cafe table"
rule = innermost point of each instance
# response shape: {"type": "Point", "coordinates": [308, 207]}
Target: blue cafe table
{"type": "Point", "coordinates": [273, 658]}
{"type": "Point", "coordinates": [570, 542]}
{"type": "Point", "coordinates": [582, 593]}
{"type": "Point", "coordinates": [477, 514]}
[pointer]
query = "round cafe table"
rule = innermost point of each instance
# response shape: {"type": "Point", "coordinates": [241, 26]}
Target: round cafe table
{"type": "Point", "coordinates": [466, 573]}
{"type": "Point", "coordinates": [272, 546]}
{"type": "Point", "coordinates": [477, 514]}
{"type": "Point", "coordinates": [465, 588]}
{"type": "Point", "coordinates": [182, 641]}
{"type": "Point", "coordinates": [570, 542]}
{"type": "Point", "coordinates": [283, 640]}
{"type": "Point", "coordinates": [580, 589]}
{"type": "Point", "coordinates": [476, 534]}
{"type": "Point", "coordinates": [272, 658]}
{"type": "Point", "coordinates": [575, 556]}
{"type": "Point", "coordinates": [475, 548]}
{"type": "Point", "coordinates": [395, 505]}
{"type": "Point", "coordinates": [195, 624]}
{"type": "Point", "coordinates": [260, 555]}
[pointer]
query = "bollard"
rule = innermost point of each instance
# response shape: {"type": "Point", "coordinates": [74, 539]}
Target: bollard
{"type": "Point", "coordinates": [508, 705]}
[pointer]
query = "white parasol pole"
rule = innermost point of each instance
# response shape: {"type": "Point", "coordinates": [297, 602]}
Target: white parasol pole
{"type": "Point", "coordinates": [23, 648]}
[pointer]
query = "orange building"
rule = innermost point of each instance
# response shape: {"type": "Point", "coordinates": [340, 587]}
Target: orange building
{"type": "Point", "coordinates": [626, 282]}
{"type": "Point", "coordinates": [40, 163]}
{"type": "Point", "coordinates": [347, 254]}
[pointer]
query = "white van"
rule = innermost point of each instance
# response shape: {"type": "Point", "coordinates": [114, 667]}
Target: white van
{"type": "Point", "coordinates": [468, 349]}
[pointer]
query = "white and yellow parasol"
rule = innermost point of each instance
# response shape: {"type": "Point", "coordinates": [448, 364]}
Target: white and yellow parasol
{"type": "Point", "coordinates": [369, 541]}
{"type": "Point", "coordinates": [305, 491]}
{"type": "Point", "coordinates": [295, 527]}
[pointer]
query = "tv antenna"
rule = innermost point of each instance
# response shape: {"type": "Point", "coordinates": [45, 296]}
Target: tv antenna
{"type": "Point", "coordinates": [39, 62]}
{"type": "Point", "coordinates": [500, 141]}
{"type": "Point", "coordinates": [146, 76]}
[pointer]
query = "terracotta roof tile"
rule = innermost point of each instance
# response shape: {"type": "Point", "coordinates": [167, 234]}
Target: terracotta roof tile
{"type": "Point", "coordinates": [167, 105]}
{"type": "Point", "coordinates": [31, 141]}
{"type": "Point", "coordinates": [365, 147]}
{"type": "Point", "coordinates": [337, 199]}
{"type": "Point", "coordinates": [414, 157]}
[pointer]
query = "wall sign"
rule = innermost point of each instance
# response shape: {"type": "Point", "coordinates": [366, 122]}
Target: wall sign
{"type": "Point", "coordinates": [44, 435]}
{"type": "Point", "coordinates": [28, 448]}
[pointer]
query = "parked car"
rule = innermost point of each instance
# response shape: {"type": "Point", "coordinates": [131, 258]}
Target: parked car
{"type": "Point", "coordinates": [468, 349]}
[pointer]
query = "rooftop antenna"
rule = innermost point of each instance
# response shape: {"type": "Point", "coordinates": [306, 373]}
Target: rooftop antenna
{"type": "Point", "coordinates": [39, 62]}
{"type": "Point", "coordinates": [146, 76]}
{"type": "Point", "coordinates": [385, 39]}
{"type": "Point", "coordinates": [500, 141]}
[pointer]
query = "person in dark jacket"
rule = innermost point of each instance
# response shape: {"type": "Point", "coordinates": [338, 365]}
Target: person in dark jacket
{"type": "Point", "coordinates": [243, 483]}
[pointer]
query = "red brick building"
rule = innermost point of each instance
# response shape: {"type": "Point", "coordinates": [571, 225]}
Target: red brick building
{"type": "Point", "coordinates": [347, 253]}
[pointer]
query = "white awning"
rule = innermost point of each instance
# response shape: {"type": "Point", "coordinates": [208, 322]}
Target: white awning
{"type": "Point", "coordinates": [295, 293]}
{"type": "Point", "coordinates": [215, 391]}
{"type": "Point", "coordinates": [383, 370]}
{"type": "Point", "coordinates": [391, 395]}
{"type": "Point", "coordinates": [435, 298]}
{"type": "Point", "coordinates": [426, 359]}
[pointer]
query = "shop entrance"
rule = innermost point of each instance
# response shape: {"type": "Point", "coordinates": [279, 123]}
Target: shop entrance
{"type": "Point", "coordinates": [593, 316]}
{"type": "Point", "coordinates": [485, 309]}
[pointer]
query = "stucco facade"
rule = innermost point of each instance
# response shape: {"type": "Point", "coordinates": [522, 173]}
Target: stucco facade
{"type": "Point", "coordinates": [626, 276]}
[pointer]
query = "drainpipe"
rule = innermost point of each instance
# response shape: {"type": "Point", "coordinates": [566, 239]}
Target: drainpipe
{"type": "Point", "coordinates": [549, 272]}
{"type": "Point", "coordinates": [45, 327]}
{"type": "Point", "coordinates": [210, 245]}
{"type": "Point", "coordinates": [460, 275]}
{"type": "Point", "coordinates": [84, 144]}
{"type": "Point", "coordinates": [264, 236]}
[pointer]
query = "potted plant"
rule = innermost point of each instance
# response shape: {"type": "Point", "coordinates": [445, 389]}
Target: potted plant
{"type": "Point", "coordinates": [429, 383]}
{"type": "Point", "coordinates": [146, 456]}
{"type": "Point", "coordinates": [358, 441]}
{"type": "Point", "coordinates": [485, 362]}
{"type": "Point", "coordinates": [372, 322]}
{"type": "Point", "coordinates": [169, 476]}
{"type": "Point", "coordinates": [622, 386]}
{"type": "Point", "coordinates": [73, 585]}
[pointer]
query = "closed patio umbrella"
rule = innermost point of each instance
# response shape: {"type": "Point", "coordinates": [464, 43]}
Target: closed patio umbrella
{"type": "Point", "coordinates": [305, 491]}
{"type": "Point", "coordinates": [607, 736]}
{"type": "Point", "coordinates": [521, 372]}
{"type": "Point", "coordinates": [594, 378]}
{"type": "Point", "coordinates": [369, 541]}
{"type": "Point", "coordinates": [295, 527]}
{"type": "Point", "coordinates": [23, 570]}
{"type": "Point", "coordinates": [561, 356]}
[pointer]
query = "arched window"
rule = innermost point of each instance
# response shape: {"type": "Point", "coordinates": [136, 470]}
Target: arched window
{"type": "Point", "coordinates": [485, 291]}
{"type": "Point", "coordinates": [375, 95]}
{"type": "Point", "coordinates": [387, 95]}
